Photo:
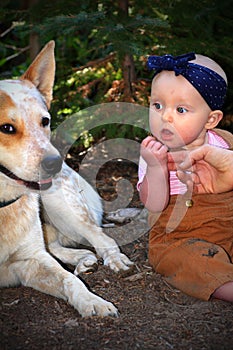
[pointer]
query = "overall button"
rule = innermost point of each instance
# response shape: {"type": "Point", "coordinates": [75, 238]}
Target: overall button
{"type": "Point", "coordinates": [189, 203]}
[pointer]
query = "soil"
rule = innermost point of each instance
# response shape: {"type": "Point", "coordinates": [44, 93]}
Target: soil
{"type": "Point", "coordinates": [153, 315]}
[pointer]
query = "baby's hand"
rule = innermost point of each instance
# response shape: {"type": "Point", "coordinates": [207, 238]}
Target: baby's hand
{"type": "Point", "coordinates": [153, 152]}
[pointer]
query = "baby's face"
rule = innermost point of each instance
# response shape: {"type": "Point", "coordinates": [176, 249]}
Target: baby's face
{"type": "Point", "coordinates": [178, 113]}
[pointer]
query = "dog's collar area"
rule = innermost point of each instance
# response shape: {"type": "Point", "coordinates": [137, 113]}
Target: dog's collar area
{"type": "Point", "coordinates": [4, 204]}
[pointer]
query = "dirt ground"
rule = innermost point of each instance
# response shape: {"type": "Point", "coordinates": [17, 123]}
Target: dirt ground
{"type": "Point", "coordinates": [153, 315]}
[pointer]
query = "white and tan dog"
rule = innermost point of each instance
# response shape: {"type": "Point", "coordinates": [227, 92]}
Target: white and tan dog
{"type": "Point", "coordinates": [31, 167]}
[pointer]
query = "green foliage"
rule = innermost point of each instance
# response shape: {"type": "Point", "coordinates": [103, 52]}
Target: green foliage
{"type": "Point", "coordinates": [204, 27]}
{"type": "Point", "coordinates": [12, 30]}
{"type": "Point", "coordinates": [103, 31]}
{"type": "Point", "coordinates": [91, 34]}
{"type": "Point", "coordinates": [109, 131]}
{"type": "Point", "coordinates": [116, 130]}
{"type": "Point", "coordinates": [82, 89]}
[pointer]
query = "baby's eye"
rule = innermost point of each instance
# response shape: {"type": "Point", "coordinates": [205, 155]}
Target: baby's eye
{"type": "Point", "coordinates": [181, 110]}
{"type": "Point", "coordinates": [157, 105]}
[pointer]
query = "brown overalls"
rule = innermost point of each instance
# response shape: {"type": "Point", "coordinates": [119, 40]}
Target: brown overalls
{"type": "Point", "coordinates": [191, 241]}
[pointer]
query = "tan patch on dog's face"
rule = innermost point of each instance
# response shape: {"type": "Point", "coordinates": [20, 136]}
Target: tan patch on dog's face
{"type": "Point", "coordinates": [11, 127]}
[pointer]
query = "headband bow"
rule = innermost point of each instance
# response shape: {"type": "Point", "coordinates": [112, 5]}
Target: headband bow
{"type": "Point", "coordinates": [210, 85]}
{"type": "Point", "coordinates": [178, 64]}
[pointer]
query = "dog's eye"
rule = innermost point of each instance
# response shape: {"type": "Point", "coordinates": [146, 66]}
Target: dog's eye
{"type": "Point", "coordinates": [45, 121]}
{"type": "Point", "coordinates": [7, 129]}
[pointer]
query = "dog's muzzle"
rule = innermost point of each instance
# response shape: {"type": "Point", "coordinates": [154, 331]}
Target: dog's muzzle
{"type": "Point", "coordinates": [52, 164]}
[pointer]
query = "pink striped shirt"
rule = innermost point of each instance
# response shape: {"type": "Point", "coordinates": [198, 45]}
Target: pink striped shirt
{"type": "Point", "coordinates": [176, 186]}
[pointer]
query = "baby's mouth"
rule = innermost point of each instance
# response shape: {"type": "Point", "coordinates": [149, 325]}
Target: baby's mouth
{"type": "Point", "coordinates": [166, 134]}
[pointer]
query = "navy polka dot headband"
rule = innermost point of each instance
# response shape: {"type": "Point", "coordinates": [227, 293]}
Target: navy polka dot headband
{"type": "Point", "coordinates": [211, 86]}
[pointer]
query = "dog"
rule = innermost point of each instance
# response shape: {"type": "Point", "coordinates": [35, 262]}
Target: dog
{"type": "Point", "coordinates": [32, 171]}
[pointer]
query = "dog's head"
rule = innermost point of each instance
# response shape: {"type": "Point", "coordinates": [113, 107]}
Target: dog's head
{"type": "Point", "coordinates": [27, 158]}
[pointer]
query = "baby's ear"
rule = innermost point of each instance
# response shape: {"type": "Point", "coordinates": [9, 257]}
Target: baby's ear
{"type": "Point", "coordinates": [213, 119]}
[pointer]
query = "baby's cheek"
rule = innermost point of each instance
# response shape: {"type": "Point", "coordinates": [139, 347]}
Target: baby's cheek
{"type": "Point", "coordinates": [154, 125]}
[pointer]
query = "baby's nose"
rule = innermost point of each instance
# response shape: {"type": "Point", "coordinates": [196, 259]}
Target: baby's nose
{"type": "Point", "coordinates": [167, 116]}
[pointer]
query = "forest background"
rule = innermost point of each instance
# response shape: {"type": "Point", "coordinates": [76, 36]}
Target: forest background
{"type": "Point", "coordinates": [101, 53]}
{"type": "Point", "coordinates": [102, 48]}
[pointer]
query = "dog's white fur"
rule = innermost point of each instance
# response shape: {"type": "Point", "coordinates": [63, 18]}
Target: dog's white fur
{"type": "Point", "coordinates": [72, 208]}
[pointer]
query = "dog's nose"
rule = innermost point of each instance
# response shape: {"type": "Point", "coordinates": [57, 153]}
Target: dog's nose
{"type": "Point", "coordinates": [52, 164]}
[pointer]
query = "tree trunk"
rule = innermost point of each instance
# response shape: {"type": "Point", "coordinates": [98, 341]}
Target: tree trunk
{"type": "Point", "coordinates": [129, 76]}
{"type": "Point", "coordinates": [128, 67]}
{"type": "Point", "coordinates": [34, 37]}
{"type": "Point", "coordinates": [34, 45]}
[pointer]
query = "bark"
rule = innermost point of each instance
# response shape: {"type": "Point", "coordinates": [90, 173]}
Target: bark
{"type": "Point", "coordinates": [128, 67]}
{"type": "Point", "coordinates": [129, 75]}
{"type": "Point", "coordinates": [33, 37]}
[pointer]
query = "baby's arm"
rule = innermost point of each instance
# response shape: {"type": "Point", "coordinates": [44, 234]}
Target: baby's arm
{"type": "Point", "coordinates": [154, 189]}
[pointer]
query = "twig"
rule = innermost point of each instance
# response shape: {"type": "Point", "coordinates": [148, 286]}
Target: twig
{"type": "Point", "coordinates": [97, 62]}
{"type": "Point", "coordinates": [14, 24]}
{"type": "Point", "coordinates": [18, 53]}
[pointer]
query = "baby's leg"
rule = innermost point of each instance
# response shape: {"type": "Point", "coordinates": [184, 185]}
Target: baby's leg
{"type": "Point", "coordinates": [194, 266]}
{"type": "Point", "coordinates": [225, 292]}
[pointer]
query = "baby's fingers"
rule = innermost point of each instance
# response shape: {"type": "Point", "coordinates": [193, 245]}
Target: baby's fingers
{"type": "Point", "coordinates": [147, 140]}
{"type": "Point", "coordinates": [159, 148]}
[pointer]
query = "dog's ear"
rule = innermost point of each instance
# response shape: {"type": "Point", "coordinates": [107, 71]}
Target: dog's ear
{"type": "Point", "coordinates": [41, 72]}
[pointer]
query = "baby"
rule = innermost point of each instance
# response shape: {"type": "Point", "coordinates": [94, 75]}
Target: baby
{"type": "Point", "coordinates": [191, 236]}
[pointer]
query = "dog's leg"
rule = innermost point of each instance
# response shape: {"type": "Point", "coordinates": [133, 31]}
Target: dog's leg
{"type": "Point", "coordinates": [70, 205]}
{"type": "Point", "coordinates": [86, 261]}
{"type": "Point", "coordinates": [44, 273]}
{"type": "Point", "coordinates": [83, 259]}
{"type": "Point", "coordinates": [105, 246]}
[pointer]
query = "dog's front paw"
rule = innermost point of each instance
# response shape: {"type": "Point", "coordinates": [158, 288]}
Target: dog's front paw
{"type": "Point", "coordinates": [93, 305]}
{"type": "Point", "coordinates": [118, 262]}
{"type": "Point", "coordinates": [87, 264]}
